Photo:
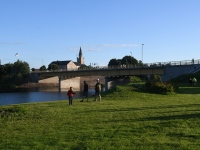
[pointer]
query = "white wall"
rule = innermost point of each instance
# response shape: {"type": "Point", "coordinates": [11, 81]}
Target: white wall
{"type": "Point", "coordinates": [72, 82]}
{"type": "Point", "coordinates": [66, 83]}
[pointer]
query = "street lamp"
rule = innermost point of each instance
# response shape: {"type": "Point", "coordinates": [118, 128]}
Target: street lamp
{"type": "Point", "coordinates": [142, 53]}
{"type": "Point", "coordinates": [131, 58]}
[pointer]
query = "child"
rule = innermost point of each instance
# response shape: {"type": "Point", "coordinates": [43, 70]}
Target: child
{"type": "Point", "coordinates": [70, 94]}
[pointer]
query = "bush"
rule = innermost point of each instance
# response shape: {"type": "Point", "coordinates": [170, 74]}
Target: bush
{"type": "Point", "coordinates": [135, 79]}
{"type": "Point", "coordinates": [155, 85]}
{"type": "Point", "coordinates": [159, 87]}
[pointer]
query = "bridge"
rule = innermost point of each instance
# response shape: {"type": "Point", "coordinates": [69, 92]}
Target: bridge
{"type": "Point", "coordinates": [167, 70]}
{"type": "Point", "coordinates": [120, 74]}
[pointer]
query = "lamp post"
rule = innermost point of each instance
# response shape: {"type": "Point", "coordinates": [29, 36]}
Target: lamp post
{"type": "Point", "coordinates": [131, 58]}
{"type": "Point", "coordinates": [142, 53]}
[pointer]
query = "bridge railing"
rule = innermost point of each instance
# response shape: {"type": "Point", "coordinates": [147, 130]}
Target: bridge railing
{"type": "Point", "coordinates": [145, 65]}
{"type": "Point", "coordinates": [174, 63]}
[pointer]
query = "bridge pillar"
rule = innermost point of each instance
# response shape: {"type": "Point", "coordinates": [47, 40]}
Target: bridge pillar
{"type": "Point", "coordinates": [111, 82]}
{"type": "Point", "coordinates": [71, 82]}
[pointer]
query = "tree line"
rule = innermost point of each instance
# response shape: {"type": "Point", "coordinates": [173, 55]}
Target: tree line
{"type": "Point", "coordinates": [14, 73]}
{"type": "Point", "coordinates": [126, 60]}
{"type": "Point", "coordinates": [17, 72]}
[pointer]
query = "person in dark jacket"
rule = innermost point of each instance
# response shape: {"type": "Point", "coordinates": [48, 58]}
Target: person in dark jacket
{"type": "Point", "coordinates": [190, 81]}
{"type": "Point", "coordinates": [85, 91]}
{"type": "Point", "coordinates": [70, 94]}
{"type": "Point", "coordinates": [98, 90]}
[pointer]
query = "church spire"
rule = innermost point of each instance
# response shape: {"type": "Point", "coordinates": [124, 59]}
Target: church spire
{"type": "Point", "coordinates": [80, 52]}
{"type": "Point", "coordinates": [80, 59]}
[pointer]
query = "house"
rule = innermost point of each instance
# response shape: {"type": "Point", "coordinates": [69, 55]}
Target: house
{"type": "Point", "coordinates": [65, 65]}
{"type": "Point", "coordinates": [69, 64]}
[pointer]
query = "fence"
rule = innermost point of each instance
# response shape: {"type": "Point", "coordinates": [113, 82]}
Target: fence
{"type": "Point", "coordinates": [145, 65]}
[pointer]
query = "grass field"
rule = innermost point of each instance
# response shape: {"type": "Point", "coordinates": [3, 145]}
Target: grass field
{"type": "Point", "coordinates": [126, 118]}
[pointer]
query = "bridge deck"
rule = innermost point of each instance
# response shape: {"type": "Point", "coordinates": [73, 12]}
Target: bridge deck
{"type": "Point", "coordinates": [105, 72]}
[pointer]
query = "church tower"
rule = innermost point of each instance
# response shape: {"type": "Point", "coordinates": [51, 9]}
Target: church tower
{"type": "Point", "coordinates": [80, 59]}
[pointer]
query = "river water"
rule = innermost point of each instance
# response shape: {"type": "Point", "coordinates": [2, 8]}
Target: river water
{"type": "Point", "coordinates": [37, 96]}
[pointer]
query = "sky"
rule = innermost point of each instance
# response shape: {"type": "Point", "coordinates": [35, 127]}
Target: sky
{"type": "Point", "coordinates": [41, 31]}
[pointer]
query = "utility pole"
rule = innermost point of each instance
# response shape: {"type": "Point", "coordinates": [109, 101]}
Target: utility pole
{"type": "Point", "coordinates": [142, 53]}
{"type": "Point", "coordinates": [131, 58]}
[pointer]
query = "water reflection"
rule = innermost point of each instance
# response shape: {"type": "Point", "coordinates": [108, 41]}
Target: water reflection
{"type": "Point", "coordinates": [40, 95]}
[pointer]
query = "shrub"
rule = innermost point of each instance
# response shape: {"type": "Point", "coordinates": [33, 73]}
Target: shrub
{"type": "Point", "coordinates": [135, 79]}
{"type": "Point", "coordinates": [159, 87]}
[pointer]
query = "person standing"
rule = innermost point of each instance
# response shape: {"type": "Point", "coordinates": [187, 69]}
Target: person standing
{"type": "Point", "coordinates": [70, 94]}
{"type": "Point", "coordinates": [85, 91]}
{"type": "Point", "coordinates": [190, 81]}
{"type": "Point", "coordinates": [194, 80]}
{"type": "Point", "coordinates": [98, 90]}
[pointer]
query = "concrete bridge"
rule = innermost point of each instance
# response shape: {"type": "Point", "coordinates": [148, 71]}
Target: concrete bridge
{"type": "Point", "coordinates": [116, 74]}
{"type": "Point", "coordinates": [113, 75]}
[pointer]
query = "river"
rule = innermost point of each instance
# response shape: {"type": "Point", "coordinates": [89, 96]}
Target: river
{"type": "Point", "coordinates": [36, 96]}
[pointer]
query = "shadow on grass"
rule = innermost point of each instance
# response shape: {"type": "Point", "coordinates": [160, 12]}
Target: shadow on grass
{"type": "Point", "coordinates": [159, 118]}
{"type": "Point", "coordinates": [184, 116]}
{"type": "Point", "coordinates": [144, 108]}
{"type": "Point", "coordinates": [181, 135]}
{"type": "Point", "coordinates": [189, 90]}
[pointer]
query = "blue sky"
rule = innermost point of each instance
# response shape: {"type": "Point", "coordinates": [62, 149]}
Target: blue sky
{"type": "Point", "coordinates": [42, 31]}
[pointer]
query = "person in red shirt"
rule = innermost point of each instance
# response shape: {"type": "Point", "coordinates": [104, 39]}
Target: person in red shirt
{"type": "Point", "coordinates": [70, 94]}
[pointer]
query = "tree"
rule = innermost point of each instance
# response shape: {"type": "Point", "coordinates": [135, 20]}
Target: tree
{"type": "Point", "coordinates": [53, 67]}
{"type": "Point", "coordinates": [2, 72]}
{"type": "Point", "coordinates": [18, 79]}
{"type": "Point", "coordinates": [21, 67]}
{"type": "Point", "coordinates": [43, 68]}
{"type": "Point", "coordinates": [14, 73]}
{"type": "Point", "coordinates": [114, 62]}
{"type": "Point", "coordinates": [129, 60]}
{"type": "Point", "coordinates": [8, 69]}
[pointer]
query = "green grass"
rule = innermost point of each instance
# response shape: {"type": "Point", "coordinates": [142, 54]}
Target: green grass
{"type": "Point", "coordinates": [126, 118]}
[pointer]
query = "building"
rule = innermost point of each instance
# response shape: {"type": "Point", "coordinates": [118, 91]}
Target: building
{"type": "Point", "coordinates": [64, 65]}
{"type": "Point", "coordinates": [69, 64]}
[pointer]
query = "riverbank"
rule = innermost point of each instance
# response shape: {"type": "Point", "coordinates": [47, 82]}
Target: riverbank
{"type": "Point", "coordinates": [38, 85]}
{"type": "Point", "coordinates": [134, 120]}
